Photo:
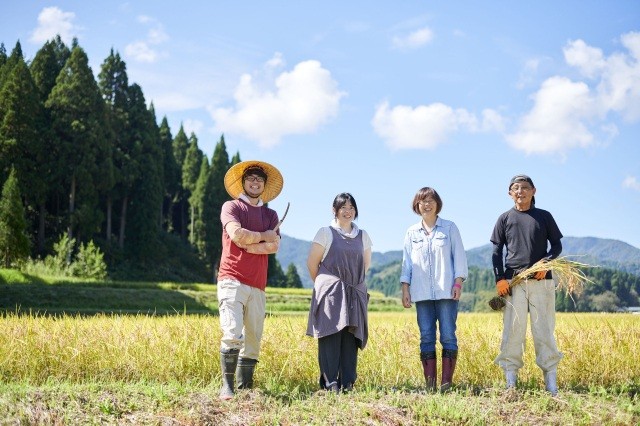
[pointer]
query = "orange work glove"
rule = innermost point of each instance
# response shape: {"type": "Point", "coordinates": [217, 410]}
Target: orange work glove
{"type": "Point", "coordinates": [540, 275]}
{"type": "Point", "coordinates": [502, 287]}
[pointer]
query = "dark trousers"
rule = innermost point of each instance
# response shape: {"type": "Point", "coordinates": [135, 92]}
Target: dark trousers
{"type": "Point", "coordinates": [338, 359]}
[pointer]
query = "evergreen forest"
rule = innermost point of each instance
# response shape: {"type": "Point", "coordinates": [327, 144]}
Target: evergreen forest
{"type": "Point", "coordinates": [91, 177]}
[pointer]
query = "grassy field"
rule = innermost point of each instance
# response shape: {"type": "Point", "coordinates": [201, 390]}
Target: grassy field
{"type": "Point", "coordinates": [162, 369]}
{"type": "Point", "coordinates": [50, 295]}
{"type": "Point", "coordinates": [140, 369]}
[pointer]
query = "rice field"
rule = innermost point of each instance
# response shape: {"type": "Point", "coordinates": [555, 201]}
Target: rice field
{"type": "Point", "coordinates": [599, 350]}
{"type": "Point", "coordinates": [147, 354]}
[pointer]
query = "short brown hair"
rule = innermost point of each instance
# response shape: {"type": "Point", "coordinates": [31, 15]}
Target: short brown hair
{"type": "Point", "coordinates": [423, 194]}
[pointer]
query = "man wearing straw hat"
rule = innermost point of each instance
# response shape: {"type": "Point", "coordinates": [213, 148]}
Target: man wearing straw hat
{"type": "Point", "coordinates": [249, 235]}
{"type": "Point", "coordinates": [526, 232]}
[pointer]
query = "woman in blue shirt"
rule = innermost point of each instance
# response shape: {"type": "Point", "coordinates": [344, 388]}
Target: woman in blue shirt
{"type": "Point", "coordinates": [434, 266]}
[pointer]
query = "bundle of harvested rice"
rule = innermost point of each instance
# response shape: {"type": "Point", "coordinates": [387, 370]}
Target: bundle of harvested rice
{"type": "Point", "coordinates": [567, 273]}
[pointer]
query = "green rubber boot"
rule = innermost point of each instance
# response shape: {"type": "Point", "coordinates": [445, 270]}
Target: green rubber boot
{"type": "Point", "coordinates": [244, 372]}
{"type": "Point", "coordinates": [228, 362]}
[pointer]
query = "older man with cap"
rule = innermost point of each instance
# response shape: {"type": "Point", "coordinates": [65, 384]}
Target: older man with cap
{"type": "Point", "coordinates": [530, 235]}
{"type": "Point", "coordinates": [248, 237]}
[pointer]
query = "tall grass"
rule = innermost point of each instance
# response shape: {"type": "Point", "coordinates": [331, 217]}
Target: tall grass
{"type": "Point", "coordinates": [600, 350]}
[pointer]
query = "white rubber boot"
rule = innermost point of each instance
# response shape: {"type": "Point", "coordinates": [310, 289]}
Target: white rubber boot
{"type": "Point", "coordinates": [550, 382]}
{"type": "Point", "coordinates": [512, 378]}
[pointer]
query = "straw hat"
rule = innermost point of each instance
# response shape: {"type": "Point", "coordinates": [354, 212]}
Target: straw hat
{"type": "Point", "coordinates": [272, 186]}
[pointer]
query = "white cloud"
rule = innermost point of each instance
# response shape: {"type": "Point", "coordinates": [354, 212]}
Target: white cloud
{"type": "Point", "coordinates": [492, 121]}
{"type": "Point", "coordinates": [157, 35]}
{"type": "Point", "coordinates": [526, 75]}
{"type": "Point", "coordinates": [620, 85]}
{"type": "Point", "coordinates": [568, 114]}
{"type": "Point", "coordinates": [192, 126]}
{"type": "Point", "coordinates": [276, 62]}
{"type": "Point", "coordinates": [589, 60]}
{"type": "Point", "coordinates": [565, 114]}
{"type": "Point", "coordinates": [301, 101]}
{"type": "Point", "coordinates": [52, 21]}
{"type": "Point", "coordinates": [631, 182]}
{"type": "Point", "coordinates": [618, 75]}
{"type": "Point", "coordinates": [413, 40]}
{"type": "Point", "coordinates": [145, 50]}
{"type": "Point", "coordinates": [427, 126]}
{"type": "Point", "coordinates": [556, 122]}
{"type": "Point", "coordinates": [141, 52]}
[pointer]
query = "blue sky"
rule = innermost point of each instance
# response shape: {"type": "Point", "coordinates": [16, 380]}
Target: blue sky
{"type": "Point", "coordinates": [382, 98]}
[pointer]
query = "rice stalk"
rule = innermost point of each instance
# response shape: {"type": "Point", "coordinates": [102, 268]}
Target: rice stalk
{"type": "Point", "coordinates": [568, 274]}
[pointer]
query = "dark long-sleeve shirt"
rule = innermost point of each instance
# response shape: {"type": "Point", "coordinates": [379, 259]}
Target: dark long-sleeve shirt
{"type": "Point", "coordinates": [526, 236]}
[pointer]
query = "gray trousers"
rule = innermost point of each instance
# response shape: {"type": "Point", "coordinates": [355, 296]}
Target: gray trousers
{"type": "Point", "coordinates": [537, 300]}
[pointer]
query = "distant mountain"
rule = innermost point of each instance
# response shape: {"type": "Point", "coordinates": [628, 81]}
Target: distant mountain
{"type": "Point", "coordinates": [293, 250]}
{"type": "Point", "coordinates": [380, 259]}
{"type": "Point", "coordinates": [608, 253]}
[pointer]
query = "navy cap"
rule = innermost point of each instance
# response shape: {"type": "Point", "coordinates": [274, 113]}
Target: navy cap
{"type": "Point", "coordinates": [521, 178]}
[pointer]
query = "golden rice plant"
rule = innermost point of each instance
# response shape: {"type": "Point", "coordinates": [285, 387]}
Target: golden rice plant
{"type": "Point", "coordinates": [568, 274]}
{"type": "Point", "coordinates": [185, 349]}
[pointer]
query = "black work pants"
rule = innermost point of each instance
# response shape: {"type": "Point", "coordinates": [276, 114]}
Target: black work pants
{"type": "Point", "coordinates": [338, 359]}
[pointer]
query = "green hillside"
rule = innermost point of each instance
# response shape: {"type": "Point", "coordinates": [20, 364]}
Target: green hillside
{"type": "Point", "coordinates": [590, 250]}
{"type": "Point", "coordinates": [615, 272]}
{"type": "Point", "coordinates": [613, 254]}
{"type": "Point", "coordinates": [28, 294]}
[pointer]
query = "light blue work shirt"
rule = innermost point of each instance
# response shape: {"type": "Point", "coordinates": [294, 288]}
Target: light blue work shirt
{"type": "Point", "coordinates": [431, 263]}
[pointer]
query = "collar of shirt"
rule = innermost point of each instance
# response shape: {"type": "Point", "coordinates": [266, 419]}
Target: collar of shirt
{"type": "Point", "coordinates": [352, 234]}
{"type": "Point", "coordinates": [438, 224]}
{"type": "Point", "coordinates": [244, 198]}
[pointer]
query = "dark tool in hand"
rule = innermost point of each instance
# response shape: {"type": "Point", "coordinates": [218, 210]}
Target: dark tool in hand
{"type": "Point", "coordinates": [283, 216]}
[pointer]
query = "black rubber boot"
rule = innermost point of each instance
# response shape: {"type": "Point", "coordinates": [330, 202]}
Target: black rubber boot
{"type": "Point", "coordinates": [228, 362]}
{"type": "Point", "coordinates": [244, 372]}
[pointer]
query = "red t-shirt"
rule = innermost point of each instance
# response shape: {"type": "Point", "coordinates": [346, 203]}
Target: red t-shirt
{"type": "Point", "coordinates": [236, 263]}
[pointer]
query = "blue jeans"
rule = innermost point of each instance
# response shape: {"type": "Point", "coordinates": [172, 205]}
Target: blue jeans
{"type": "Point", "coordinates": [445, 312]}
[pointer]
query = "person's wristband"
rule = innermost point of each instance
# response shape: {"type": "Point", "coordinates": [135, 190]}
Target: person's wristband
{"type": "Point", "coordinates": [458, 285]}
